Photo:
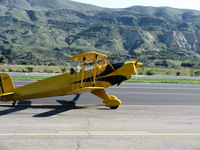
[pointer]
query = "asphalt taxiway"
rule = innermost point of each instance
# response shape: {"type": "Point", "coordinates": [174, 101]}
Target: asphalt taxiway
{"type": "Point", "coordinates": [153, 116]}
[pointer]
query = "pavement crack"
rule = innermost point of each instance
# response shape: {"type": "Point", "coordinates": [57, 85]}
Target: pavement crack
{"type": "Point", "coordinates": [88, 126]}
{"type": "Point", "coordinates": [78, 145]}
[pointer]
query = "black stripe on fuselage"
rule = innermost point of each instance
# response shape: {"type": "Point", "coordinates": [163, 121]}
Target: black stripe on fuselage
{"type": "Point", "coordinates": [109, 69]}
{"type": "Point", "coordinates": [116, 79]}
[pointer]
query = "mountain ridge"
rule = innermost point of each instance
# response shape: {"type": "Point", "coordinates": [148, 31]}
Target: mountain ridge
{"type": "Point", "coordinates": [49, 33]}
{"type": "Point", "coordinates": [46, 5]}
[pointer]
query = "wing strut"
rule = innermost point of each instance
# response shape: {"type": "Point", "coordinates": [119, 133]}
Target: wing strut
{"type": "Point", "coordinates": [83, 71]}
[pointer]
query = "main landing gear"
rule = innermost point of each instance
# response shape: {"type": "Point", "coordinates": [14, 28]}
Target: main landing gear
{"type": "Point", "coordinates": [113, 102]}
{"type": "Point", "coordinates": [109, 100]}
{"type": "Point", "coordinates": [114, 107]}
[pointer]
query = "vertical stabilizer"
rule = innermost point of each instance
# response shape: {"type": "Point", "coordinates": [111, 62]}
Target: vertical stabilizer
{"type": "Point", "coordinates": [6, 83]}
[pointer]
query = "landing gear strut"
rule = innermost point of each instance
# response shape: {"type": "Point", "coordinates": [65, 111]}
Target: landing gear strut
{"type": "Point", "coordinates": [74, 100]}
{"type": "Point", "coordinates": [110, 101]}
{"type": "Point", "coordinates": [14, 103]}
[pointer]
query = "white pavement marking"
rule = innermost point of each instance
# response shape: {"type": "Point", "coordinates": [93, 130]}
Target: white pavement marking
{"type": "Point", "coordinates": [102, 133]}
{"type": "Point", "coordinates": [159, 93]}
{"type": "Point", "coordinates": [156, 88]}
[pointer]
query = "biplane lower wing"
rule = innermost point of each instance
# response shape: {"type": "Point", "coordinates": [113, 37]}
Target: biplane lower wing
{"type": "Point", "coordinates": [84, 89]}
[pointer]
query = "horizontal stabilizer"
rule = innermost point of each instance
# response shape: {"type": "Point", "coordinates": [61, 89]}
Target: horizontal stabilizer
{"type": "Point", "coordinates": [85, 89]}
{"type": "Point", "coordinates": [6, 94]}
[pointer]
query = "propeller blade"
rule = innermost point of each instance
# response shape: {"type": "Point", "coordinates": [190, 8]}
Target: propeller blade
{"type": "Point", "coordinates": [136, 60]}
{"type": "Point", "coordinates": [135, 68]}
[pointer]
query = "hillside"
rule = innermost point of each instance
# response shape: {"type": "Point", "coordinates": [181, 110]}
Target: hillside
{"type": "Point", "coordinates": [48, 32]}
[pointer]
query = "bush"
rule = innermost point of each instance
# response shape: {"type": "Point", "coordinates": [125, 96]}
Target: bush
{"type": "Point", "coordinates": [30, 69]}
{"type": "Point", "coordinates": [187, 64]}
{"type": "Point", "coordinates": [150, 72]}
{"type": "Point", "coordinates": [163, 63]}
{"type": "Point", "coordinates": [63, 70]}
{"type": "Point", "coordinates": [10, 70]}
{"type": "Point", "coordinates": [178, 73]}
{"type": "Point", "coordinates": [197, 73]}
{"type": "Point", "coordinates": [48, 71]}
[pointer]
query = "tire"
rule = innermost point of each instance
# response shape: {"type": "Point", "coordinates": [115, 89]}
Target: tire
{"type": "Point", "coordinates": [114, 107]}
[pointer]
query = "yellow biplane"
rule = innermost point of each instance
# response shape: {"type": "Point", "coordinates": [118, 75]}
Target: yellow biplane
{"type": "Point", "coordinates": [100, 75]}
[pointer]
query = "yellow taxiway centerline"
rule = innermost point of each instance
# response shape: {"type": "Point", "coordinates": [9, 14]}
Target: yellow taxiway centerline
{"type": "Point", "coordinates": [95, 133]}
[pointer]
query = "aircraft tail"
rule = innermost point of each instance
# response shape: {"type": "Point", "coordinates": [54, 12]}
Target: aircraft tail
{"type": "Point", "coordinates": [6, 86]}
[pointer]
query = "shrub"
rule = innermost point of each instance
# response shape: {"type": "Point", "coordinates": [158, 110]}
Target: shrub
{"type": "Point", "coordinates": [150, 72]}
{"type": "Point", "coordinates": [178, 73]}
{"type": "Point", "coordinates": [187, 64]}
{"type": "Point", "coordinates": [48, 71]}
{"type": "Point", "coordinates": [163, 63]}
{"type": "Point", "coordinates": [30, 69]}
{"type": "Point", "coordinates": [10, 70]}
{"type": "Point", "coordinates": [63, 70]}
{"type": "Point", "coordinates": [197, 73]}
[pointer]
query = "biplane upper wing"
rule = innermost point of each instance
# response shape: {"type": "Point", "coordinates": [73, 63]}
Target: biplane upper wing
{"type": "Point", "coordinates": [84, 89]}
{"type": "Point", "coordinates": [88, 57]}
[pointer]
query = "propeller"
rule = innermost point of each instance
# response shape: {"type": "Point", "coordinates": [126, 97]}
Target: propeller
{"type": "Point", "coordinates": [135, 62]}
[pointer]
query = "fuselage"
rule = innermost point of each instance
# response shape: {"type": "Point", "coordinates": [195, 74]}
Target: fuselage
{"type": "Point", "coordinates": [63, 84]}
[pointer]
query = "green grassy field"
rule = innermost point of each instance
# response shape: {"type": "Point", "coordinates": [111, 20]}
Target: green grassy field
{"type": "Point", "coordinates": [32, 68]}
{"type": "Point", "coordinates": [164, 80]}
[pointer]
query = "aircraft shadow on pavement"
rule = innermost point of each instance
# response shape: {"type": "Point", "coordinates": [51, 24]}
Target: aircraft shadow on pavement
{"type": "Point", "coordinates": [22, 105]}
{"type": "Point", "coordinates": [55, 109]}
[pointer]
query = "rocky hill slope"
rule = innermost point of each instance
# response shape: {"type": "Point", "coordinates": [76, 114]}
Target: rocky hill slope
{"type": "Point", "coordinates": [48, 32]}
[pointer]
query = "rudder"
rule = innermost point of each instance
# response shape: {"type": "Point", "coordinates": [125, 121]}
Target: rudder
{"type": "Point", "coordinates": [6, 83]}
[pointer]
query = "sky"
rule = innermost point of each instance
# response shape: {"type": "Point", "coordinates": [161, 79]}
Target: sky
{"type": "Point", "coordinates": [188, 4]}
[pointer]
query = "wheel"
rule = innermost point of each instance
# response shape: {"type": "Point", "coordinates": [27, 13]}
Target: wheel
{"type": "Point", "coordinates": [113, 97]}
{"type": "Point", "coordinates": [114, 107]}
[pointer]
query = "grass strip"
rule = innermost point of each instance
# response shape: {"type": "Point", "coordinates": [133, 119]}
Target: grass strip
{"type": "Point", "coordinates": [164, 80]}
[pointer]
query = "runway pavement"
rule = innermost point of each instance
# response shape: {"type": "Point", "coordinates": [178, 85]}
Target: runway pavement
{"type": "Point", "coordinates": [138, 94]}
{"type": "Point", "coordinates": [153, 116]}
